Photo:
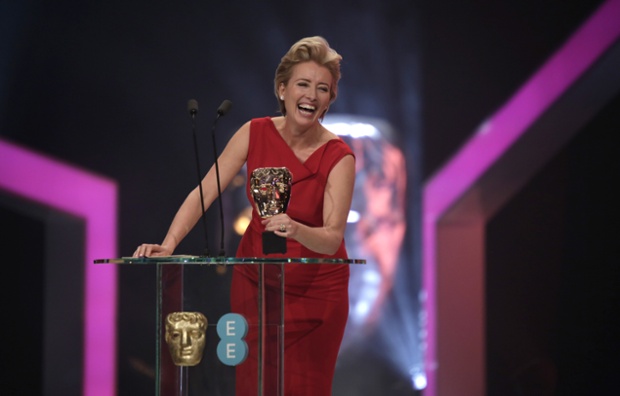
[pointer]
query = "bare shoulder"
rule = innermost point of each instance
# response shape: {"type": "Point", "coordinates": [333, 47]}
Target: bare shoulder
{"type": "Point", "coordinates": [329, 135]}
{"type": "Point", "coordinates": [240, 141]}
{"type": "Point", "coordinates": [243, 131]}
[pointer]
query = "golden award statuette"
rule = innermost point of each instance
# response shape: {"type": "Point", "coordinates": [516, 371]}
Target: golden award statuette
{"type": "Point", "coordinates": [185, 336]}
{"type": "Point", "coordinates": [271, 191]}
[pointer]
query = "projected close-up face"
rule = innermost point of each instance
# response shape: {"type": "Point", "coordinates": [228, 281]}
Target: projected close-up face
{"type": "Point", "coordinates": [376, 224]}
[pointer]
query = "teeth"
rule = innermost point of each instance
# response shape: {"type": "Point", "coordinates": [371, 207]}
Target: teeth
{"type": "Point", "coordinates": [307, 107]}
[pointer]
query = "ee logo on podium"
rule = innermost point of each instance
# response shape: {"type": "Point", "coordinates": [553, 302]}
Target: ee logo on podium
{"type": "Point", "coordinates": [232, 329]}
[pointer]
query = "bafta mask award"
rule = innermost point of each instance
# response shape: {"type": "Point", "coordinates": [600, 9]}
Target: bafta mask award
{"type": "Point", "coordinates": [185, 336]}
{"type": "Point", "coordinates": [271, 191]}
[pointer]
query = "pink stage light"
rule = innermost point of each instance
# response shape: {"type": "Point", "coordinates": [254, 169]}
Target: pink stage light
{"type": "Point", "coordinates": [494, 139]}
{"type": "Point", "coordinates": [93, 198]}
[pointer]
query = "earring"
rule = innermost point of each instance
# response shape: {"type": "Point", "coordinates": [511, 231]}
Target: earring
{"type": "Point", "coordinates": [281, 97]}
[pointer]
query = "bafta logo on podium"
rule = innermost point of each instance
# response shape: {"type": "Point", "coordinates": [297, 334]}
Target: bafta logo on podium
{"type": "Point", "coordinates": [185, 336]}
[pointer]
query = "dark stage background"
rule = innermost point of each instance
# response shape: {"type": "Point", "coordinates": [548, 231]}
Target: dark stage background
{"type": "Point", "coordinates": [104, 86]}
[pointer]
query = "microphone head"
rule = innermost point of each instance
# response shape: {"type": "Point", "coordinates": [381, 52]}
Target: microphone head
{"type": "Point", "coordinates": [224, 107]}
{"type": "Point", "coordinates": [192, 106]}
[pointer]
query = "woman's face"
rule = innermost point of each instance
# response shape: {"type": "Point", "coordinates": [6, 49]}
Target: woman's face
{"type": "Point", "coordinates": [307, 94]}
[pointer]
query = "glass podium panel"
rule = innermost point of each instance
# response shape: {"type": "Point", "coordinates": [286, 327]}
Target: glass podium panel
{"type": "Point", "coordinates": [240, 348]}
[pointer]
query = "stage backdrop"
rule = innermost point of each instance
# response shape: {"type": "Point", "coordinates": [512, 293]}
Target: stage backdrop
{"type": "Point", "coordinates": [103, 86]}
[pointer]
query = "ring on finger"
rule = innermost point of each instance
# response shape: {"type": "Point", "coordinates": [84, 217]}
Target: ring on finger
{"type": "Point", "coordinates": [282, 228]}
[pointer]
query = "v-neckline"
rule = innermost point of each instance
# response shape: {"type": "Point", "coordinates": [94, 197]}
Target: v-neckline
{"type": "Point", "coordinates": [318, 149]}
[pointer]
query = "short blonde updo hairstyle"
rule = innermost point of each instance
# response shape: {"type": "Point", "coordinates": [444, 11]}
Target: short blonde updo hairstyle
{"type": "Point", "coordinates": [308, 49]}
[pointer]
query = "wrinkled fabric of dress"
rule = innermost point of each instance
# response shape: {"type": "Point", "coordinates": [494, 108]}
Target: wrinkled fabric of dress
{"type": "Point", "coordinates": [316, 295]}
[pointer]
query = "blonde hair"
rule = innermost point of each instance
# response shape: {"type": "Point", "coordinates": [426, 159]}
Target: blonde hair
{"type": "Point", "coordinates": [315, 49]}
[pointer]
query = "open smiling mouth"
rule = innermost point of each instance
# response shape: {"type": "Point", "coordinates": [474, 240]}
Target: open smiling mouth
{"type": "Point", "coordinates": [307, 109]}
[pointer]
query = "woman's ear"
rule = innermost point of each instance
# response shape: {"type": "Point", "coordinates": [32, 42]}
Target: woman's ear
{"type": "Point", "coordinates": [281, 89]}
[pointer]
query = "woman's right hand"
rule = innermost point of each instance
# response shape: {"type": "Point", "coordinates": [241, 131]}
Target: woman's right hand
{"type": "Point", "coordinates": [152, 250]}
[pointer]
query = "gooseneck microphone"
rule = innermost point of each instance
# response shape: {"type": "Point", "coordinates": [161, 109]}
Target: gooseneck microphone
{"type": "Point", "coordinates": [221, 111]}
{"type": "Point", "coordinates": [224, 108]}
{"type": "Point", "coordinates": [192, 107]}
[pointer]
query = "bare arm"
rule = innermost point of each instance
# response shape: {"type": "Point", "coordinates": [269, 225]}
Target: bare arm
{"type": "Point", "coordinates": [230, 162]}
{"type": "Point", "coordinates": [336, 205]}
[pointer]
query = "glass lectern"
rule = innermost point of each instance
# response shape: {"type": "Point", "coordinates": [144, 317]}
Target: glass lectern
{"type": "Point", "coordinates": [199, 341]}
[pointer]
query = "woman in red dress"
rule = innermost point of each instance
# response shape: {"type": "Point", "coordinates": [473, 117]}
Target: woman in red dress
{"type": "Point", "coordinates": [323, 169]}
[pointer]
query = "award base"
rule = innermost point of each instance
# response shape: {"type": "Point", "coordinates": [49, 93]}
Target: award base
{"type": "Point", "coordinates": [273, 243]}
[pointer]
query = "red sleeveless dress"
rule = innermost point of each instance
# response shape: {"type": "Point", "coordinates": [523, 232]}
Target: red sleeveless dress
{"type": "Point", "coordinates": [316, 295]}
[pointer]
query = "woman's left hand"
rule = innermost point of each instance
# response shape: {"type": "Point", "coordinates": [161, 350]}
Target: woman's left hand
{"type": "Point", "coordinates": [281, 225]}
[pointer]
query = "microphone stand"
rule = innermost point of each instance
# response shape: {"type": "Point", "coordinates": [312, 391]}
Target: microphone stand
{"type": "Point", "coordinates": [221, 111]}
{"type": "Point", "coordinates": [193, 110]}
